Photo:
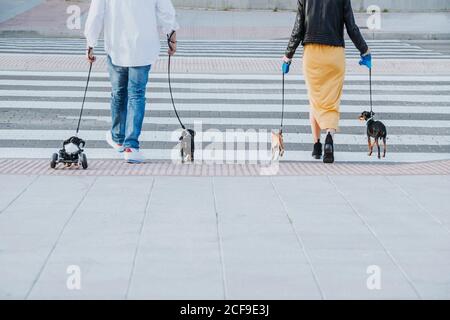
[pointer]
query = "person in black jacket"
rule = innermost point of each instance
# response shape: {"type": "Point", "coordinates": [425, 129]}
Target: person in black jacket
{"type": "Point", "coordinates": [319, 27]}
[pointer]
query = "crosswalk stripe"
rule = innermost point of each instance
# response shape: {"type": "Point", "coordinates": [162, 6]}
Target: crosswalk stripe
{"type": "Point", "coordinates": [275, 122]}
{"type": "Point", "coordinates": [209, 137]}
{"type": "Point", "coordinates": [215, 96]}
{"type": "Point", "coordinates": [232, 48]}
{"type": "Point", "coordinates": [415, 109]}
{"type": "Point", "coordinates": [256, 78]}
{"type": "Point", "coordinates": [249, 108]}
{"type": "Point", "coordinates": [51, 84]}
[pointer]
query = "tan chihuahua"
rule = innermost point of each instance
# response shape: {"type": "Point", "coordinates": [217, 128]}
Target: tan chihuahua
{"type": "Point", "coordinates": [277, 145]}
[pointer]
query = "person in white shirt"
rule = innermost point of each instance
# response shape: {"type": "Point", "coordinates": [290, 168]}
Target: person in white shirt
{"type": "Point", "coordinates": [132, 43]}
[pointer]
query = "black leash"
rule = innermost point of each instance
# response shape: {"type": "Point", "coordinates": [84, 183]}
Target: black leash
{"type": "Point", "coordinates": [370, 85]}
{"type": "Point", "coordinates": [282, 105]}
{"type": "Point", "coordinates": [169, 39]}
{"type": "Point", "coordinates": [84, 98]}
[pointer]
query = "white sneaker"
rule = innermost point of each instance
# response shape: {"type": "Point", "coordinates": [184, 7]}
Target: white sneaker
{"type": "Point", "coordinates": [115, 146]}
{"type": "Point", "coordinates": [133, 155]}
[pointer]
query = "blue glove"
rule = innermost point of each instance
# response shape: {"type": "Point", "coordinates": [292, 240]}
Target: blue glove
{"type": "Point", "coordinates": [286, 67]}
{"type": "Point", "coordinates": [366, 61]}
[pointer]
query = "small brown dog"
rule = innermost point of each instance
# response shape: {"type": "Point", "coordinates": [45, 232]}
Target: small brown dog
{"type": "Point", "coordinates": [277, 145]}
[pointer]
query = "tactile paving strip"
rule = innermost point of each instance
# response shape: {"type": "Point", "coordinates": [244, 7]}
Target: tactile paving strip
{"type": "Point", "coordinates": [120, 168]}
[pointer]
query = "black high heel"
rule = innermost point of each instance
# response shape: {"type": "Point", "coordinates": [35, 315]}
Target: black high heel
{"type": "Point", "coordinates": [329, 150]}
{"type": "Point", "coordinates": [317, 151]}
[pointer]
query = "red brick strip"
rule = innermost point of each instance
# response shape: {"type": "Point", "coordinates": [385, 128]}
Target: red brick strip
{"type": "Point", "coordinates": [120, 168]}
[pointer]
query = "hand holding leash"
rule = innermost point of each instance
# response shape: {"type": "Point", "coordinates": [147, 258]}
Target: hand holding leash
{"type": "Point", "coordinates": [366, 60]}
{"type": "Point", "coordinates": [172, 43]}
{"type": "Point", "coordinates": [286, 65]}
{"type": "Point", "coordinates": [90, 55]}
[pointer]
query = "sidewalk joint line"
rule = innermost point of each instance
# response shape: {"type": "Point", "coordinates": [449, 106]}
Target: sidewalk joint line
{"type": "Point", "coordinates": [141, 230]}
{"type": "Point", "coordinates": [35, 281]}
{"type": "Point", "coordinates": [374, 234]}
{"type": "Point", "coordinates": [300, 241]}
{"type": "Point", "coordinates": [219, 242]}
{"type": "Point", "coordinates": [417, 203]}
{"type": "Point", "coordinates": [19, 195]}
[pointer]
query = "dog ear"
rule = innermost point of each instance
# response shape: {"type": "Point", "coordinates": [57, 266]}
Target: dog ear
{"type": "Point", "coordinates": [372, 113]}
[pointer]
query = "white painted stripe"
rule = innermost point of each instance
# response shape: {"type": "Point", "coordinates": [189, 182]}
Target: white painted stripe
{"type": "Point", "coordinates": [82, 40]}
{"type": "Point", "coordinates": [388, 55]}
{"type": "Point", "coordinates": [220, 49]}
{"type": "Point", "coordinates": [191, 41]}
{"type": "Point", "coordinates": [207, 77]}
{"type": "Point", "coordinates": [157, 154]}
{"type": "Point", "coordinates": [230, 50]}
{"type": "Point", "coordinates": [191, 44]}
{"type": "Point", "coordinates": [206, 86]}
{"type": "Point", "coordinates": [196, 51]}
{"type": "Point", "coordinates": [227, 96]}
{"type": "Point", "coordinates": [261, 50]}
{"type": "Point", "coordinates": [219, 137]}
{"type": "Point", "coordinates": [218, 107]}
{"type": "Point", "coordinates": [275, 122]}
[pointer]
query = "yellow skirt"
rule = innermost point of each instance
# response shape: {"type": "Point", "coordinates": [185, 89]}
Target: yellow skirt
{"type": "Point", "coordinates": [324, 69]}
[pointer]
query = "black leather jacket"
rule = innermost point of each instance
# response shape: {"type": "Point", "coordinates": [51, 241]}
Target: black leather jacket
{"type": "Point", "coordinates": [322, 22]}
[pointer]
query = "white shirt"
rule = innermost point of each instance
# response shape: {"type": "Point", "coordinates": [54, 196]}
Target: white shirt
{"type": "Point", "coordinates": [130, 29]}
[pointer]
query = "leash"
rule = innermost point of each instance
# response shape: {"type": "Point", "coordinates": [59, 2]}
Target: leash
{"type": "Point", "coordinates": [370, 85]}
{"type": "Point", "coordinates": [84, 98]}
{"type": "Point", "coordinates": [282, 104]}
{"type": "Point", "coordinates": [169, 39]}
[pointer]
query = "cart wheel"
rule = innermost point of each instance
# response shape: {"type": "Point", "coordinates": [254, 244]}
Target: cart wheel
{"type": "Point", "coordinates": [54, 161]}
{"type": "Point", "coordinates": [84, 162]}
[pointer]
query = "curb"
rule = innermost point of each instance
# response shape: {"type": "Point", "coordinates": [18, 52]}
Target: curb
{"type": "Point", "coordinates": [405, 36]}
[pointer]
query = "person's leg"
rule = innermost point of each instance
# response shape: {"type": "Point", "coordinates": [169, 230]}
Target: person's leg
{"type": "Point", "coordinates": [332, 132]}
{"type": "Point", "coordinates": [119, 100]}
{"type": "Point", "coordinates": [137, 84]}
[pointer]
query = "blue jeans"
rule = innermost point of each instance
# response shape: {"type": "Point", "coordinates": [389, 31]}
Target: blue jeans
{"type": "Point", "coordinates": [127, 103]}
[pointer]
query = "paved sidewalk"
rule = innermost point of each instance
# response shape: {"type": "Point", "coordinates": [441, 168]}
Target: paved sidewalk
{"type": "Point", "coordinates": [225, 238]}
{"type": "Point", "coordinates": [50, 19]}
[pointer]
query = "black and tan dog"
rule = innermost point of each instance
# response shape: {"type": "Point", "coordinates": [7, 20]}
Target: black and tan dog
{"type": "Point", "coordinates": [376, 130]}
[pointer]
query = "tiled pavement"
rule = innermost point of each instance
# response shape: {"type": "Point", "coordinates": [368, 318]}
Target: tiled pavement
{"type": "Point", "coordinates": [51, 19]}
{"type": "Point", "coordinates": [225, 237]}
